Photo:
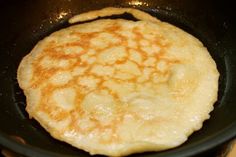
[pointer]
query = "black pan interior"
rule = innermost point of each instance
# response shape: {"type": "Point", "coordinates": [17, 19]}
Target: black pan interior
{"type": "Point", "coordinates": [24, 23]}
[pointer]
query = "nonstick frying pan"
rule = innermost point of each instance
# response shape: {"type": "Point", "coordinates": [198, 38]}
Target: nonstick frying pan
{"type": "Point", "coordinates": [24, 23]}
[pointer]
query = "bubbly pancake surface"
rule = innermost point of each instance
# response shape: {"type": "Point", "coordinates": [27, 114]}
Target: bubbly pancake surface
{"type": "Point", "coordinates": [117, 87]}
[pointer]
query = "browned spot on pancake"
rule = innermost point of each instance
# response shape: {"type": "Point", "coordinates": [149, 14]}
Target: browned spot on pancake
{"type": "Point", "coordinates": [56, 53]}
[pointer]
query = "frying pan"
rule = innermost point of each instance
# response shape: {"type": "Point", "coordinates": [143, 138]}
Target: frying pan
{"type": "Point", "coordinates": [24, 23]}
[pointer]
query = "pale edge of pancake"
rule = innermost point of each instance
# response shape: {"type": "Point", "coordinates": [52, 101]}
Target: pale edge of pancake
{"type": "Point", "coordinates": [112, 11]}
{"type": "Point", "coordinates": [24, 75]}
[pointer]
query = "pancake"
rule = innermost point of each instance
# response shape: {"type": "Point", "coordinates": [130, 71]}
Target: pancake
{"type": "Point", "coordinates": [117, 87]}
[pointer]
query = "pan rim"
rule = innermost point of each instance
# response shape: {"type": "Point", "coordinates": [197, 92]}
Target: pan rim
{"type": "Point", "coordinates": [219, 138]}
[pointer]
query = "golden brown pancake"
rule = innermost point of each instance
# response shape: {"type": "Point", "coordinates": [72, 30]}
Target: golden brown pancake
{"type": "Point", "coordinates": [117, 87]}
